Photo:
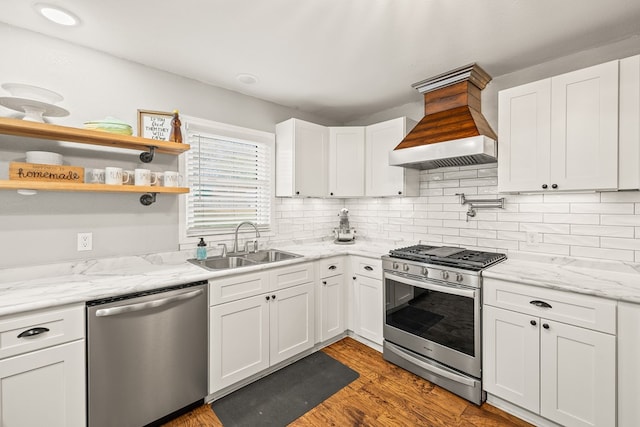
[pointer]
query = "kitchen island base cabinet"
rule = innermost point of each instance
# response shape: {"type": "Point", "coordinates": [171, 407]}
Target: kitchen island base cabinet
{"type": "Point", "coordinates": [563, 372]}
{"type": "Point", "coordinates": [44, 388]}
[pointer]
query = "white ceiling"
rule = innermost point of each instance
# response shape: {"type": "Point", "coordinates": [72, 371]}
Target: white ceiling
{"type": "Point", "coordinates": [340, 59]}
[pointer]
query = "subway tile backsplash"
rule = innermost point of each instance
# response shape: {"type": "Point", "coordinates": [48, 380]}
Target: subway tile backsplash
{"type": "Point", "coordinates": [593, 225]}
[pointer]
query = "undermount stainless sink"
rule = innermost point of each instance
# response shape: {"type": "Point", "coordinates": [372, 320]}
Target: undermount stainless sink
{"type": "Point", "coordinates": [270, 255]}
{"type": "Point", "coordinates": [244, 259]}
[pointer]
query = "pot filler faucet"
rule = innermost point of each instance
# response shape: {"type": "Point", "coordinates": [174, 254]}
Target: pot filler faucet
{"type": "Point", "coordinates": [246, 245]}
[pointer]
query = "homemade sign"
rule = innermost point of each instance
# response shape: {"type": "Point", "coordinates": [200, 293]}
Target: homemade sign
{"type": "Point", "coordinates": [154, 125]}
{"type": "Point", "coordinates": [38, 172]}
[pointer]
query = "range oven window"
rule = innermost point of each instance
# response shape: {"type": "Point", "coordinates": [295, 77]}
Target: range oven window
{"type": "Point", "coordinates": [436, 316]}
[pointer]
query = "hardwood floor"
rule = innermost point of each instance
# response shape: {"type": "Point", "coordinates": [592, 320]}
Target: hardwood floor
{"type": "Point", "coordinates": [383, 395]}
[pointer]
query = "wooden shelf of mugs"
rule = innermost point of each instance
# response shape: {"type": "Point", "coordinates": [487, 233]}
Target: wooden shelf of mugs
{"type": "Point", "coordinates": [77, 186]}
{"type": "Point", "coordinates": [28, 129]}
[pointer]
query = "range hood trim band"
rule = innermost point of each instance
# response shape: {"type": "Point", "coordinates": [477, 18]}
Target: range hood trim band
{"type": "Point", "coordinates": [459, 152]}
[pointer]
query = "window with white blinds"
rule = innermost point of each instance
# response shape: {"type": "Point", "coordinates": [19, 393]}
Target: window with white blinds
{"type": "Point", "coordinates": [230, 181]}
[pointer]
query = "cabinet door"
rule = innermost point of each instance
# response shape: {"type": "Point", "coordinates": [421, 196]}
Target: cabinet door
{"type": "Point", "coordinates": [511, 357]}
{"type": "Point", "coordinates": [577, 375]}
{"type": "Point", "coordinates": [332, 306]}
{"type": "Point", "coordinates": [346, 161]}
{"type": "Point", "coordinates": [584, 129]}
{"type": "Point", "coordinates": [292, 324]}
{"type": "Point", "coordinates": [382, 179]}
{"type": "Point", "coordinates": [311, 159]}
{"type": "Point", "coordinates": [524, 137]}
{"type": "Point", "coordinates": [368, 315]}
{"type": "Point", "coordinates": [238, 342]}
{"type": "Point", "coordinates": [44, 388]}
{"type": "Point", "coordinates": [628, 366]}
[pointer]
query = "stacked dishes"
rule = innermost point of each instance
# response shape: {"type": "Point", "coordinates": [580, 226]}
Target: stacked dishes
{"type": "Point", "coordinates": [35, 102]}
{"type": "Point", "coordinates": [111, 125]}
{"type": "Point", "coordinates": [44, 157]}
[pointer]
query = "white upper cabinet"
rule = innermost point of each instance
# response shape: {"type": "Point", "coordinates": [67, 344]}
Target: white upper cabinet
{"type": "Point", "coordinates": [346, 161]}
{"type": "Point", "coordinates": [380, 178]}
{"type": "Point", "coordinates": [302, 150]}
{"type": "Point", "coordinates": [629, 132]}
{"type": "Point", "coordinates": [561, 134]}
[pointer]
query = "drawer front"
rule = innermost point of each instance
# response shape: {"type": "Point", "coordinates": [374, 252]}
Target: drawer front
{"type": "Point", "coordinates": [286, 277]}
{"type": "Point", "coordinates": [331, 267]}
{"type": "Point", "coordinates": [368, 267]}
{"type": "Point", "coordinates": [237, 287]}
{"type": "Point", "coordinates": [40, 330]}
{"type": "Point", "coordinates": [586, 311]}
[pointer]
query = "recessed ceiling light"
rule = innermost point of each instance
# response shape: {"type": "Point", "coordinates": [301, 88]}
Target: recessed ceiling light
{"type": "Point", "coordinates": [247, 79]}
{"type": "Point", "coordinates": [57, 14]}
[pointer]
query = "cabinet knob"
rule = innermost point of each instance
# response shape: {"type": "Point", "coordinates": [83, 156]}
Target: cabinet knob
{"type": "Point", "coordinates": [273, 297]}
{"type": "Point", "coordinates": [533, 323]}
{"type": "Point", "coordinates": [545, 325]}
{"type": "Point", "coordinates": [400, 192]}
{"type": "Point", "coordinates": [324, 282]}
{"type": "Point", "coordinates": [554, 185]}
{"type": "Point", "coordinates": [331, 194]}
{"type": "Point", "coordinates": [268, 297]}
{"type": "Point", "coordinates": [354, 277]}
{"type": "Point", "coordinates": [297, 193]}
{"type": "Point", "coordinates": [545, 186]}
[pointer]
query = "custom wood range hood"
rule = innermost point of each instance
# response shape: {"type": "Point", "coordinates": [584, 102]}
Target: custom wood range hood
{"type": "Point", "coordinates": [453, 131]}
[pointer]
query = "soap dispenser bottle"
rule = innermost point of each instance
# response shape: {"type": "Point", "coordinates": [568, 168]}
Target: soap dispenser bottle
{"type": "Point", "coordinates": [201, 251]}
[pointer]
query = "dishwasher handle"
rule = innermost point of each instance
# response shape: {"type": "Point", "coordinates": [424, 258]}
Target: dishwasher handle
{"type": "Point", "coordinates": [113, 311]}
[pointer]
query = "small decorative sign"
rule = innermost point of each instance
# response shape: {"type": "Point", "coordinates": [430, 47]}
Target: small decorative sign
{"type": "Point", "coordinates": [45, 173]}
{"type": "Point", "coordinates": [154, 125]}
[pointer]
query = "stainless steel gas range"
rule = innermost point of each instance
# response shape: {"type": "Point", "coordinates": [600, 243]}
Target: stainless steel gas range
{"type": "Point", "coordinates": [432, 321]}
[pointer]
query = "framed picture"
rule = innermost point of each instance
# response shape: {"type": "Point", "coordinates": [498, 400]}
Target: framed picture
{"type": "Point", "coordinates": [154, 124]}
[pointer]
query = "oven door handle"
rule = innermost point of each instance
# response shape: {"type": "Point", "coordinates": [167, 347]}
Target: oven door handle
{"type": "Point", "coordinates": [469, 293]}
{"type": "Point", "coordinates": [431, 368]}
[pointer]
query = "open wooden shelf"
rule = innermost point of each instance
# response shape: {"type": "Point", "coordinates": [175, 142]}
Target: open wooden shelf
{"type": "Point", "coordinates": [86, 136]}
{"type": "Point", "coordinates": [74, 186]}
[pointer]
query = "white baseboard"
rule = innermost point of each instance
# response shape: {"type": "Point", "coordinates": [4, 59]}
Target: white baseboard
{"type": "Point", "coordinates": [519, 412]}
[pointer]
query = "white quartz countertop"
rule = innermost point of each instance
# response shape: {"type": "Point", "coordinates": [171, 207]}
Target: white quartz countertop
{"type": "Point", "coordinates": [607, 279]}
{"type": "Point", "coordinates": [37, 287]}
{"type": "Point", "coordinates": [31, 288]}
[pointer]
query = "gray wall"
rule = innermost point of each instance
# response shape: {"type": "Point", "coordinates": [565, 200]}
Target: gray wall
{"type": "Point", "coordinates": [42, 228]}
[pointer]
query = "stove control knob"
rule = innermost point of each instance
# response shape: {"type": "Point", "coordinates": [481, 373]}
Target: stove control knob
{"type": "Point", "coordinates": [459, 277]}
{"type": "Point", "coordinates": [445, 275]}
{"type": "Point", "coordinates": [395, 265]}
{"type": "Point", "coordinates": [425, 271]}
{"type": "Point", "coordinates": [405, 267]}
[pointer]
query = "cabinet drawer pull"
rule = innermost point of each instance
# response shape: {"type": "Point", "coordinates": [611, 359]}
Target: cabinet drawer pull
{"type": "Point", "coordinates": [368, 268]}
{"type": "Point", "coordinates": [539, 303]}
{"type": "Point", "coordinates": [33, 332]}
{"type": "Point", "coordinates": [332, 267]}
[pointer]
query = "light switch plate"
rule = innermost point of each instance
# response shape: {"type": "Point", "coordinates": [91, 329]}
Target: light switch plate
{"type": "Point", "coordinates": [85, 241]}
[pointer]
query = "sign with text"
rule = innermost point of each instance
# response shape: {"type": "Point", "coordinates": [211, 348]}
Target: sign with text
{"type": "Point", "coordinates": [154, 125]}
{"type": "Point", "coordinates": [45, 173]}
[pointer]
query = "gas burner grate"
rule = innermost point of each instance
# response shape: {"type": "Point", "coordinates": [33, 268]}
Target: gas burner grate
{"type": "Point", "coordinates": [452, 257]}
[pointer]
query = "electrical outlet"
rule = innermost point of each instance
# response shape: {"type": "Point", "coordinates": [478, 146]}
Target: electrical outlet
{"type": "Point", "coordinates": [533, 238]}
{"type": "Point", "coordinates": [85, 241]}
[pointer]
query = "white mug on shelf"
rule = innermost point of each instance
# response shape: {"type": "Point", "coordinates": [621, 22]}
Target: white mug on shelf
{"type": "Point", "coordinates": [172, 179]}
{"type": "Point", "coordinates": [144, 177]}
{"type": "Point", "coordinates": [94, 176]}
{"type": "Point", "coordinates": [130, 174]}
{"type": "Point", "coordinates": [116, 176]}
{"type": "Point", "coordinates": [157, 178]}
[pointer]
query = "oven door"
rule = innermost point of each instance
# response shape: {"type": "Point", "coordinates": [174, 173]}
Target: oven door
{"type": "Point", "coordinates": [436, 320]}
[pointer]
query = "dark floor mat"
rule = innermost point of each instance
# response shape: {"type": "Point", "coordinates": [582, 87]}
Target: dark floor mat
{"type": "Point", "coordinates": [285, 395]}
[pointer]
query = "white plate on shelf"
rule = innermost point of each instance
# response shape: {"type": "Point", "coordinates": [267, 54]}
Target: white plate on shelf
{"type": "Point", "coordinates": [44, 157]}
{"type": "Point", "coordinates": [33, 110]}
{"type": "Point", "coordinates": [34, 93]}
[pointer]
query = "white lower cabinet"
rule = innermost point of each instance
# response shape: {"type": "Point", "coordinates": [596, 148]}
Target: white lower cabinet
{"type": "Point", "coordinates": [628, 364]}
{"type": "Point", "coordinates": [331, 299]}
{"type": "Point", "coordinates": [252, 333]}
{"type": "Point", "coordinates": [42, 369]}
{"type": "Point", "coordinates": [368, 308]}
{"type": "Point", "coordinates": [563, 372]}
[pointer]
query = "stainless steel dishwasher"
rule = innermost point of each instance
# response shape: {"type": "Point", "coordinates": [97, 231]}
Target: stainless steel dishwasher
{"type": "Point", "coordinates": [146, 355]}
